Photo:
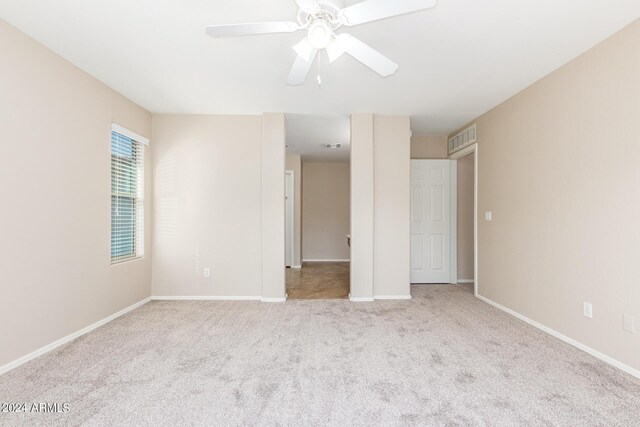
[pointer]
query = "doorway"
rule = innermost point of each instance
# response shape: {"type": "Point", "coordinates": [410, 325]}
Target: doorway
{"type": "Point", "coordinates": [468, 215]}
{"type": "Point", "coordinates": [289, 228]}
{"type": "Point", "coordinates": [444, 220]}
{"type": "Point", "coordinates": [466, 219]}
{"type": "Point", "coordinates": [318, 208]}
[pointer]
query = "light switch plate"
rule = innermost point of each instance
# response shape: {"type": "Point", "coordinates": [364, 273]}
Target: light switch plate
{"type": "Point", "coordinates": [588, 310]}
{"type": "Point", "coordinates": [488, 216]}
{"type": "Point", "coordinates": [629, 323]}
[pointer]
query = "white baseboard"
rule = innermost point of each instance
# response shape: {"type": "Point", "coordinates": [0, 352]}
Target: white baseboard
{"type": "Point", "coordinates": [390, 297]}
{"type": "Point", "coordinates": [216, 298]}
{"type": "Point", "coordinates": [297, 266]}
{"type": "Point", "coordinates": [326, 260]}
{"type": "Point", "coordinates": [205, 298]}
{"type": "Point", "coordinates": [274, 299]}
{"type": "Point", "coordinates": [47, 348]}
{"type": "Point", "coordinates": [360, 299]}
{"type": "Point", "coordinates": [465, 281]}
{"type": "Point", "coordinates": [610, 360]}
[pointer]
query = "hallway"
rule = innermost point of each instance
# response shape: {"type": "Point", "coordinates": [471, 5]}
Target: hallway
{"type": "Point", "coordinates": [318, 280]}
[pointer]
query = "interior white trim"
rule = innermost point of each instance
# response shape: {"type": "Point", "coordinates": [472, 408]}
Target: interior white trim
{"type": "Point", "coordinates": [466, 281]}
{"type": "Point", "coordinates": [552, 332]}
{"type": "Point", "coordinates": [360, 299]}
{"type": "Point", "coordinates": [274, 299]}
{"type": "Point", "coordinates": [47, 348]}
{"type": "Point", "coordinates": [296, 266]}
{"type": "Point", "coordinates": [391, 297]}
{"type": "Point", "coordinates": [205, 298]}
{"type": "Point", "coordinates": [454, 222]}
{"type": "Point", "coordinates": [465, 151]}
{"type": "Point", "coordinates": [129, 134]}
{"type": "Point", "coordinates": [326, 260]}
{"type": "Point", "coordinates": [455, 156]}
{"type": "Point", "coordinates": [476, 247]}
{"type": "Point", "coordinates": [292, 225]}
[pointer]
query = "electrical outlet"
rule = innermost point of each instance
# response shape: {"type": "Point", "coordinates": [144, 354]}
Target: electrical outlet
{"type": "Point", "coordinates": [207, 272]}
{"type": "Point", "coordinates": [488, 216]}
{"type": "Point", "coordinates": [588, 310]}
{"type": "Point", "coordinates": [629, 323]}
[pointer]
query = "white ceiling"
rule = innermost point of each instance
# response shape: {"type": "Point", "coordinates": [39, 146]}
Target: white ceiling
{"type": "Point", "coordinates": [456, 61]}
{"type": "Point", "coordinates": [307, 135]}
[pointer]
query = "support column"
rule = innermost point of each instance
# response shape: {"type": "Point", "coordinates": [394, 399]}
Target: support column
{"type": "Point", "coordinates": [392, 206]}
{"type": "Point", "coordinates": [273, 207]}
{"type": "Point", "coordinates": [362, 205]}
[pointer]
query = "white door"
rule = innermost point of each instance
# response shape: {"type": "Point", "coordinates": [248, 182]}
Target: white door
{"type": "Point", "coordinates": [431, 224]}
{"type": "Point", "coordinates": [289, 212]}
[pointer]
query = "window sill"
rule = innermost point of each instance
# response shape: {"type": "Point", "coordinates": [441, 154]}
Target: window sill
{"type": "Point", "coordinates": [126, 261]}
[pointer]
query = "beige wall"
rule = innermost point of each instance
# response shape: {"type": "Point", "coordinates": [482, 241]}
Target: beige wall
{"type": "Point", "coordinates": [392, 206]}
{"type": "Point", "coordinates": [55, 123]}
{"type": "Point", "coordinates": [465, 231]}
{"type": "Point", "coordinates": [325, 210]}
{"type": "Point", "coordinates": [429, 147]}
{"type": "Point", "coordinates": [273, 207]}
{"type": "Point", "coordinates": [208, 198]}
{"type": "Point", "coordinates": [362, 219]}
{"type": "Point", "coordinates": [559, 166]}
{"type": "Point", "coordinates": [294, 163]}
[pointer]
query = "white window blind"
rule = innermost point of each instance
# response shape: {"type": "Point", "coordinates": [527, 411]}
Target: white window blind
{"type": "Point", "coordinates": [127, 198]}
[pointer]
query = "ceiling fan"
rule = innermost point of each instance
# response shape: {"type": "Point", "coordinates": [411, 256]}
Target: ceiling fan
{"type": "Point", "coordinates": [321, 18]}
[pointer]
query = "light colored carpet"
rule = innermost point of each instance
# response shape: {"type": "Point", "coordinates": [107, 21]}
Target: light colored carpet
{"type": "Point", "coordinates": [443, 358]}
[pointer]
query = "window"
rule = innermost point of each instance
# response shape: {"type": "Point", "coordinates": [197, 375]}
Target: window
{"type": "Point", "coordinates": [127, 195]}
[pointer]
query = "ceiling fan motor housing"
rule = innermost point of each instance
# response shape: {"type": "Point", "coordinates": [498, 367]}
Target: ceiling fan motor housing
{"type": "Point", "coordinates": [329, 12]}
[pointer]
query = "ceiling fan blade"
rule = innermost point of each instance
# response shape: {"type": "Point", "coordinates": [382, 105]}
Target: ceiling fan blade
{"type": "Point", "coordinates": [309, 6]}
{"type": "Point", "coordinates": [235, 30]}
{"type": "Point", "coordinates": [368, 56]}
{"type": "Point", "coordinates": [335, 49]}
{"type": "Point", "coordinates": [373, 10]}
{"type": "Point", "coordinates": [304, 49]}
{"type": "Point", "coordinates": [300, 69]}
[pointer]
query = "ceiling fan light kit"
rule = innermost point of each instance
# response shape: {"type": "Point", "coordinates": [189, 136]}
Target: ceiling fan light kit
{"type": "Point", "coordinates": [320, 34]}
{"type": "Point", "coordinates": [321, 19]}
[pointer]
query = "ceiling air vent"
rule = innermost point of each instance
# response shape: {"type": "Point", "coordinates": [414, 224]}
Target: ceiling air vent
{"type": "Point", "coordinates": [462, 140]}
